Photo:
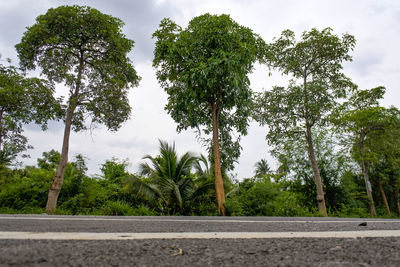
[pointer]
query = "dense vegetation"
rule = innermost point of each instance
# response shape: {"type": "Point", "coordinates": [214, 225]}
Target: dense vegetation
{"type": "Point", "coordinates": [169, 184]}
{"type": "Point", "coordinates": [338, 150]}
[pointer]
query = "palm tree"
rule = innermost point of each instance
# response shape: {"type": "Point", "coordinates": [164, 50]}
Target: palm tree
{"type": "Point", "coordinates": [200, 170]}
{"type": "Point", "coordinates": [169, 181]}
{"type": "Point", "coordinates": [262, 168]}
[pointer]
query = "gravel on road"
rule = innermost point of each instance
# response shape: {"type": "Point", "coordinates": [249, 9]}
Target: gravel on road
{"type": "Point", "coordinates": [190, 252]}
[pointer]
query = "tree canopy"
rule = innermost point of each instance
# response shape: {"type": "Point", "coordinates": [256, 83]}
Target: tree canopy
{"type": "Point", "coordinates": [314, 64]}
{"type": "Point", "coordinates": [22, 101]}
{"type": "Point", "coordinates": [87, 51]}
{"type": "Point", "coordinates": [374, 132]}
{"type": "Point", "coordinates": [204, 69]}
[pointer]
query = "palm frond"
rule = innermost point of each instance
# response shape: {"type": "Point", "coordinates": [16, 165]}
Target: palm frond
{"type": "Point", "coordinates": [142, 189]}
{"type": "Point", "coordinates": [178, 196]}
{"type": "Point", "coordinates": [198, 168]}
{"type": "Point", "coordinates": [185, 165]}
{"type": "Point", "coordinates": [145, 169]}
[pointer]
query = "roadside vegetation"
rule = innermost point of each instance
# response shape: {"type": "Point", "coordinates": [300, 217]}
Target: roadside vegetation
{"type": "Point", "coordinates": [338, 150]}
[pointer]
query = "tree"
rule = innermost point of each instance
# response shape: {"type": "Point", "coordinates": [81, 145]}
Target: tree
{"type": "Point", "coordinates": [297, 174]}
{"type": "Point", "coordinates": [204, 68]}
{"type": "Point", "coordinates": [374, 132]}
{"type": "Point", "coordinates": [315, 64]}
{"type": "Point", "coordinates": [22, 101]}
{"type": "Point", "coordinates": [114, 170]}
{"type": "Point", "coordinates": [262, 168]}
{"type": "Point", "coordinates": [50, 160]}
{"type": "Point", "coordinates": [87, 51]}
{"type": "Point", "coordinates": [170, 180]}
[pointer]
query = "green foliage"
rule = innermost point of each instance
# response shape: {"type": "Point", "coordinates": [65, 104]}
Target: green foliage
{"type": "Point", "coordinates": [50, 160]}
{"type": "Point", "coordinates": [25, 188]}
{"type": "Point", "coordinates": [115, 171]}
{"type": "Point", "coordinates": [24, 210]}
{"type": "Point", "coordinates": [169, 181]}
{"type": "Point", "coordinates": [22, 101]}
{"type": "Point", "coordinates": [374, 134]}
{"type": "Point", "coordinates": [87, 51]}
{"type": "Point", "coordinates": [261, 197]}
{"type": "Point", "coordinates": [315, 63]}
{"type": "Point", "coordinates": [334, 165]}
{"type": "Point", "coordinates": [120, 208]}
{"type": "Point", "coordinates": [234, 207]}
{"type": "Point", "coordinates": [262, 168]}
{"type": "Point", "coordinates": [206, 65]}
{"type": "Point", "coordinates": [25, 191]}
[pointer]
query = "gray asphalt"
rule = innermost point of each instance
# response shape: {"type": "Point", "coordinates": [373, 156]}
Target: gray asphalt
{"type": "Point", "coordinates": [197, 252]}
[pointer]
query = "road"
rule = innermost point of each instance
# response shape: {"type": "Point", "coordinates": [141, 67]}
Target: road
{"type": "Point", "coordinates": [43, 240]}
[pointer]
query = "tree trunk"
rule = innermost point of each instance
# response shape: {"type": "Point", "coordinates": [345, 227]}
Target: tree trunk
{"type": "Point", "coordinates": [368, 186]}
{"type": "Point", "coordinates": [395, 191]}
{"type": "Point", "coordinates": [398, 207]}
{"type": "Point", "coordinates": [55, 187]}
{"type": "Point", "coordinates": [384, 196]}
{"type": "Point", "coordinates": [1, 129]}
{"type": "Point", "coordinates": [317, 175]}
{"type": "Point", "coordinates": [219, 183]}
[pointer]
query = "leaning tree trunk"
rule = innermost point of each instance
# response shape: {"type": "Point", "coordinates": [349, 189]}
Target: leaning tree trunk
{"type": "Point", "coordinates": [384, 196]}
{"type": "Point", "coordinates": [219, 183]}
{"type": "Point", "coordinates": [317, 175]}
{"type": "Point", "coordinates": [55, 187]}
{"type": "Point", "coordinates": [368, 186]}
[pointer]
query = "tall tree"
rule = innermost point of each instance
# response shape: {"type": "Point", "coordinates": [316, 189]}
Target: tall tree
{"type": "Point", "coordinates": [204, 69]}
{"type": "Point", "coordinates": [22, 101]}
{"type": "Point", "coordinates": [315, 64]}
{"type": "Point", "coordinates": [374, 132]}
{"type": "Point", "coordinates": [382, 147]}
{"type": "Point", "coordinates": [86, 50]}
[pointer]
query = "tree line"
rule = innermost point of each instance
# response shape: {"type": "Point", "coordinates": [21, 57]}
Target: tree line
{"type": "Point", "coordinates": [323, 129]}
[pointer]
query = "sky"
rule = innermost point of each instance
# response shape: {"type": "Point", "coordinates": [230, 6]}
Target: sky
{"type": "Point", "coordinates": [376, 59]}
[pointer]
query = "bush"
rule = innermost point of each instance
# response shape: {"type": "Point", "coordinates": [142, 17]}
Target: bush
{"type": "Point", "coordinates": [121, 208]}
{"type": "Point", "coordinates": [27, 188]}
{"type": "Point", "coordinates": [261, 197]}
{"type": "Point", "coordinates": [287, 204]}
{"type": "Point", "coordinates": [233, 207]}
{"type": "Point", "coordinates": [24, 210]}
{"type": "Point", "coordinates": [143, 211]}
{"type": "Point", "coordinates": [351, 212]}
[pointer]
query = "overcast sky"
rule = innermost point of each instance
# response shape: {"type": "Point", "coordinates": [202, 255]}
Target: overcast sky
{"type": "Point", "coordinates": [375, 25]}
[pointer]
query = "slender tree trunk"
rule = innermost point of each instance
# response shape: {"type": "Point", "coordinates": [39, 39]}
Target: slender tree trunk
{"type": "Point", "coordinates": [384, 196]}
{"type": "Point", "coordinates": [395, 191]}
{"type": "Point", "coordinates": [317, 175]}
{"type": "Point", "coordinates": [368, 186]}
{"type": "Point", "coordinates": [55, 187]}
{"type": "Point", "coordinates": [219, 183]}
{"type": "Point", "coordinates": [398, 207]}
{"type": "Point", "coordinates": [1, 129]}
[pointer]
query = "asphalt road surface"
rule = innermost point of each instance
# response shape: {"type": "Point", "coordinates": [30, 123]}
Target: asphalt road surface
{"type": "Point", "coordinates": [197, 241]}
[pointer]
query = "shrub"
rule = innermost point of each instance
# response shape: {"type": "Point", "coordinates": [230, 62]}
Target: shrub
{"type": "Point", "coordinates": [121, 208]}
{"type": "Point", "coordinates": [233, 207]}
{"type": "Point", "coordinates": [27, 188]}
